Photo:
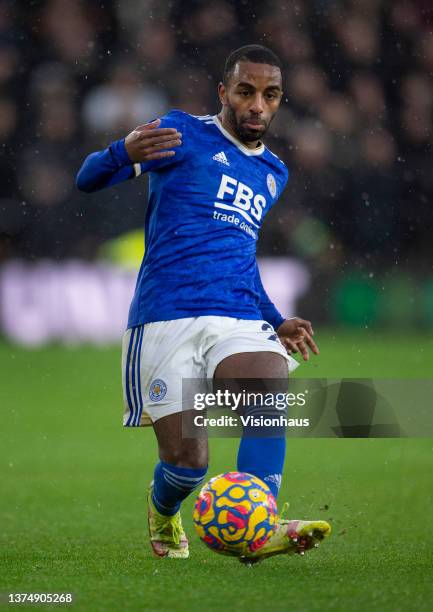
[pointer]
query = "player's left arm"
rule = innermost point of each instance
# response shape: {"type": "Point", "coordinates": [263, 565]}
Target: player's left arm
{"type": "Point", "coordinates": [268, 309]}
{"type": "Point", "coordinates": [295, 334]}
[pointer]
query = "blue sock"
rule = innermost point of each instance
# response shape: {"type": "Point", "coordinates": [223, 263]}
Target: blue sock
{"type": "Point", "coordinates": [172, 484]}
{"type": "Point", "coordinates": [262, 450]}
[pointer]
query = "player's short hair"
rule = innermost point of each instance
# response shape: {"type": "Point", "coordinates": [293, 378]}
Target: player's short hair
{"type": "Point", "coordinates": [258, 54]}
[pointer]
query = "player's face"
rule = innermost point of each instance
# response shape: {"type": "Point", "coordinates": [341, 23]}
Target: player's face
{"type": "Point", "coordinates": [251, 98]}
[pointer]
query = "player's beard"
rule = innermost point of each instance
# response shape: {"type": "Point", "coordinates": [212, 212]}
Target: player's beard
{"type": "Point", "coordinates": [243, 133]}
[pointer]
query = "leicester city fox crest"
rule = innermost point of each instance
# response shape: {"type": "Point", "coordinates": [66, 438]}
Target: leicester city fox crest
{"type": "Point", "coordinates": [272, 185]}
{"type": "Point", "coordinates": [157, 390]}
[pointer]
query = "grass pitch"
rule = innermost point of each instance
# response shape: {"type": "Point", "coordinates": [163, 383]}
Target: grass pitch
{"type": "Point", "coordinates": [73, 483]}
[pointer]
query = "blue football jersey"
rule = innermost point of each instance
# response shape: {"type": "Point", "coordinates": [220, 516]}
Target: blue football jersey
{"type": "Point", "coordinates": [206, 207]}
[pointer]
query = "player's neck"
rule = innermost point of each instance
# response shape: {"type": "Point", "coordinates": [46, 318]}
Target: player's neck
{"type": "Point", "coordinates": [228, 127]}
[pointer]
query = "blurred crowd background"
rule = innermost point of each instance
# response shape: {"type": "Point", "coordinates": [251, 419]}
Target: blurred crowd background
{"type": "Point", "coordinates": [355, 128]}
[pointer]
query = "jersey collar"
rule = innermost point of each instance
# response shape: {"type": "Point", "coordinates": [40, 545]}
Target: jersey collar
{"type": "Point", "coordinates": [257, 151]}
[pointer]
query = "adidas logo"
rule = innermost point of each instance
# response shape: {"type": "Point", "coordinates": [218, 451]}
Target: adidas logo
{"type": "Point", "coordinates": [221, 157]}
{"type": "Point", "coordinates": [275, 478]}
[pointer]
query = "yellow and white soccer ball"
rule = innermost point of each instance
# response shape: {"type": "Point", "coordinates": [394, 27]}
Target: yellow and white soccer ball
{"type": "Point", "coordinates": [235, 514]}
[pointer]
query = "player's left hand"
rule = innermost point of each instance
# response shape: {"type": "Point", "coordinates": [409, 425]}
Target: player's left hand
{"type": "Point", "coordinates": [297, 335]}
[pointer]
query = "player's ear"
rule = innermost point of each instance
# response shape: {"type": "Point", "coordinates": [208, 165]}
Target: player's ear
{"type": "Point", "coordinates": [222, 92]}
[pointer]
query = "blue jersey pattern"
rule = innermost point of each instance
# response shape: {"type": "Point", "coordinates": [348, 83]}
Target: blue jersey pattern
{"type": "Point", "coordinates": [206, 207]}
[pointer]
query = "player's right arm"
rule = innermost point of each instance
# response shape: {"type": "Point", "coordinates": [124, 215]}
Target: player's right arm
{"type": "Point", "coordinates": [146, 143]}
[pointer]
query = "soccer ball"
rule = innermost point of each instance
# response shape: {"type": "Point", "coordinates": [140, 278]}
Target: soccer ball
{"type": "Point", "coordinates": [235, 514]}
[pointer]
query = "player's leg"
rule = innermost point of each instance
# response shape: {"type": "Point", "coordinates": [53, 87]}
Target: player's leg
{"type": "Point", "coordinates": [261, 453]}
{"type": "Point", "coordinates": [182, 466]}
{"type": "Point", "coordinates": [153, 367]}
{"type": "Point", "coordinates": [181, 469]}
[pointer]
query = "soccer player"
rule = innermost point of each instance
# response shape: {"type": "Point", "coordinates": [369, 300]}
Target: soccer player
{"type": "Point", "coordinates": [199, 309]}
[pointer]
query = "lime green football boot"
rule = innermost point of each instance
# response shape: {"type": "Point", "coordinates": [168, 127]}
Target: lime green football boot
{"type": "Point", "coordinates": [167, 536]}
{"type": "Point", "coordinates": [290, 538]}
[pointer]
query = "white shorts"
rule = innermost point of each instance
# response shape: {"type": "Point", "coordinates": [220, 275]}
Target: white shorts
{"type": "Point", "coordinates": [156, 357]}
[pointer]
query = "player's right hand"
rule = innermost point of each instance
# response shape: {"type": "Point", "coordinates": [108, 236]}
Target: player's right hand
{"type": "Point", "coordinates": [147, 142]}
